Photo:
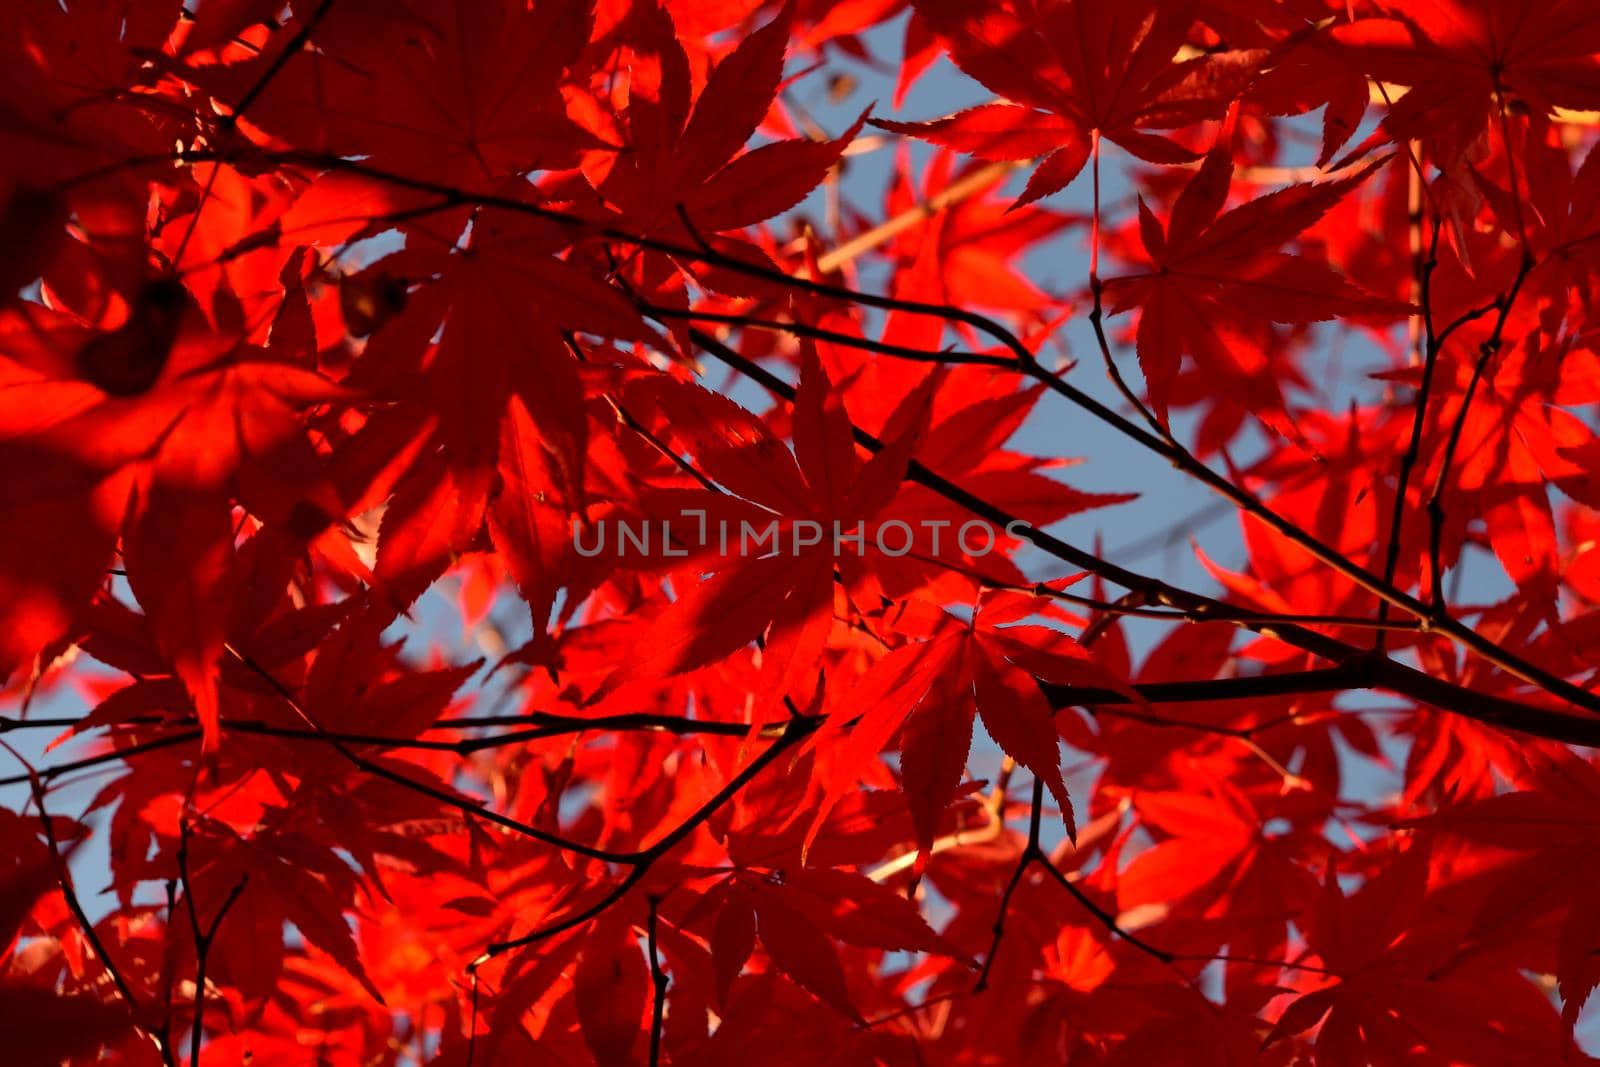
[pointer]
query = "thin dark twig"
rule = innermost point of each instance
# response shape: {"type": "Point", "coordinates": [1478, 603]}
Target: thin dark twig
{"type": "Point", "coordinates": [951, 357]}
{"type": "Point", "coordinates": [289, 51]}
{"type": "Point", "coordinates": [1436, 512]}
{"type": "Point", "coordinates": [388, 774]}
{"type": "Point", "coordinates": [550, 724]}
{"type": "Point", "coordinates": [640, 862]}
{"type": "Point", "coordinates": [230, 121]}
{"type": "Point", "coordinates": [1029, 855]}
{"type": "Point", "coordinates": [1161, 592]}
{"type": "Point", "coordinates": [49, 774]}
{"type": "Point", "coordinates": [1097, 312]}
{"type": "Point", "coordinates": [1033, 854]}
{"type": "Point", "coordinates": [1408, 459]}
{"type": "Point", "coordinates": [169, 969]}
{"type": "Point", "coordinates": [658, 982]}
{"type": "Point", "coordinates": [203, 939]}
{"type": "Point", "coordinates": [1105, 918]}
{"type": "Point", "coordinates": [194, 218]}
{"type": "Point", "coordinates": [1486, 354]}
{"type": "Point", "coordinates": [85, 925]}
{"type": "Point", "coordinates": [1236, 616]}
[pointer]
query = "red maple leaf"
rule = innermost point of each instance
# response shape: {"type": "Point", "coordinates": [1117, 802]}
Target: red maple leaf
{"type": "Point", "coordinates": [1211, 271]}
{"type": "Point", "coordinates": [1070, 70]}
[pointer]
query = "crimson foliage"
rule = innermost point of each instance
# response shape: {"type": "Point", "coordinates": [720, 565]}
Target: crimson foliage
{"type": "Point", "coordinates": [319, 317]}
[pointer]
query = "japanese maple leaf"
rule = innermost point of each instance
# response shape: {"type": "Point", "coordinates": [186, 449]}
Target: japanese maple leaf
{"type": "Point", "coordinates": [460, 92]}
{"type": "Point", "coordinates": [974, 414]}
{"type": "Point", "coordinates": [1339, 493]}
{"type": "Point", "coordinates": [154, 428]}
{"type": "Point", "coordinates": [1464, 59]}
{"type": "Point", "coordinates": [1521, 434]}
{"type": "Point", "coordinates": [932, 691]}
{"type": "Point", "coordinates": [1187, 1029]}
{"type": "Point", "coordinates": [486, 329]}
{"type": "Point", "coordinates": [291, 872]}
{"type": "Point", "coordinates": [1559, 211]}
{"type": "Point", "coordinates": [682, 161]}
{"type": "Point", "coordinates": [966, 255]}
{"type": "Point", "coordinates": [1552, 837]}
{"type": "Point", "coordinates": [1213, 271]}
{"type": "Point", "coordinates": [1582, 573]}
{"type": "Point", "coordinates": [1391, 992]}
{"type": "Point", "coordinates": [47, 1026]}
{"type": "Point", "coordinates": [1073, 68]}
{"type": "Point", "coordinates": [65, 104]}
{"type": "Point", "coordinates": [797, 914]}
{"type": "Point", "coordinates": [1212, 857]}
{"type": "Point", "coordinates": [787, 594]}
{"type": "Point", "coordinates": [1308, 72]}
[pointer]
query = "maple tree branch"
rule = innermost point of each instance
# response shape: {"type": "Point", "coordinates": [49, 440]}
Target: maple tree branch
{"type": "Point", "coordinates": [549, 724]}
{"type": "Point", "coordinates": [1371, 670]}
{"type": "Point", "coordinates": [955, 357]}
{"type": "Point", "coordinates": [169, 972]}
{"type": "Point", "coordinates": [194, 217]}
{"type": "Point", "coordinates": [1097, 312]}
{"type": "Point", "coordinates": [1104, 917]}
{"type": "Point", "coordinates": [1486, 352]}
{"type": "Point", "coordinates": [1429, 617]}
{"type": "Point", "coordinates": [1244, 736]}
{"type": "Point", "coordinates": [1433, 340]}
{"type": "Point", "coordinates": [1434, 345]}
{"type": "Point", "coordinates": [85, 925]}
{"type": "Point", "coordinates": [1029, 854]}
{"type": "Point", "coordinates": [229, 122]}
{"type": "Point", "coordinates": [1199, 614]}
{"type": "Point", "coordinates": [658, 984]}
{"type": "Point", "coordinates": [546, 725]}
{"type": "Point", "coordinates": [48, 774]}
{"type": "Point", "coordinates": [203, 937]}
{"type": "Point", "coordinates": [948, 357]}
{"type": "Point", "coordinates": [1243, 733]}
{"type": "Point", "coordinates": [1436, 620]}
{"type": "Point", "coordinates": [472, 1020]}
{"type": "Point", "coordinates": [909, 1009]}
{"type": "Point", "coordinates": [631, 720]}
{"type": "Point", "coordinates": [1169, 448]}
{"type": "Point", "coordinates": [1033, 854]}
{"type": "Point", "coordinates": [1429, 342]}
{"type": "Point", "coordinates": [628, 419]}
{"type": "Point", "coordinates": [378, 770]}
{"type": "Point", "coordinates": [290, 49]}
{"type": "Point", "coordinates": [639, 863]}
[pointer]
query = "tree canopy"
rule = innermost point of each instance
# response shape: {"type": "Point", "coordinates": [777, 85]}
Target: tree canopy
{"type": "Point", "coordinates": [573, 532]}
